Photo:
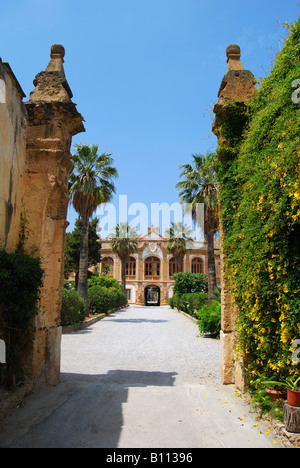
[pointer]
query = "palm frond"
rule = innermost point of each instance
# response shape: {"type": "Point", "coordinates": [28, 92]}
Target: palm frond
{"type": "Point", "coordinates": [198, 185]}
{"type": "Point", "coordinates": [91, 182]}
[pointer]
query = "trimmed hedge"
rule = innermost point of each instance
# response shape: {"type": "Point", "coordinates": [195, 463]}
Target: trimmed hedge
{"type": "Point", "coordinates": [210, 318]}
{"type": "Point", "coordinates": [101, 300]}
{"type": "Point", "coordinates": [73, 309]}
{"type": "Point", "coordinates": [104, 282]}
{"type": "Point", "coordinates": [190, 283]}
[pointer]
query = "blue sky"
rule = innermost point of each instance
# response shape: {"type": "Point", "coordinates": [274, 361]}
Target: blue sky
{"type": "Point", "coordinates": [144, 74]}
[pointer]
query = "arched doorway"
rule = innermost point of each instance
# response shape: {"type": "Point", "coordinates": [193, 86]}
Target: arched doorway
{"type": "Point", "coordinates": [152, 296]}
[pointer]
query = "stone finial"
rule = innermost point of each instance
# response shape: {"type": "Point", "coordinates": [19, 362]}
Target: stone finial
{"type": "Point", "coordinates": [237, 84]}
{"type": "Point", "coordinates": [233, 49]}
{"type": "Point", "coordinates": [51, 85]}
{"type": "Point", "coordinates": [233, 53]}
{"type": "Point", "coordinates": [57, 49]}
{"type": "Point", "coordinates": [57, 58]}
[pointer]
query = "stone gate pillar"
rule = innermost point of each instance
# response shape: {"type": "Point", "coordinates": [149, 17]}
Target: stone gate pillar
{"type": "Point", "coordinates": [238, 85]}
{"type": "Point", "coordinates": [52, 120]}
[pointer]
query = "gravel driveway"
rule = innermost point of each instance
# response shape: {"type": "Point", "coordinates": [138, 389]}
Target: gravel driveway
{"type": "Point", "coordinates": [139, 378]}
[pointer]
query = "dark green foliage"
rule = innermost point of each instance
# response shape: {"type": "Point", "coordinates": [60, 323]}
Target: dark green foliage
{"type": "Point", "coordinates": [175, 301]}
{"type": "Point", "coordinates": [117, 299]}
{"type": "Point", "coordinates": [109, 285]}
{"type": "Point", "coordinates": [21, 278]}
{"type": "Point", "coordinates": [191, 302]}
{"type": "Point", "coordinates": [235, 121]}
{"type": "Point", "coordinates": [73, 243]}
{"type": "Point", "coordinates": [190, 283]}
{"type": "Point", "coordinates": [191, 297]}
{"type": "Point", "coordinates": [104, 294]}
{"type": "Point", "coordinates": [104, 281]}
{"type": "Point", "coordinates": [73, 309]}
{"type": "Point", "coordinates": [101, 299]}
{"type": "Point", "coordinates": [210, 318]}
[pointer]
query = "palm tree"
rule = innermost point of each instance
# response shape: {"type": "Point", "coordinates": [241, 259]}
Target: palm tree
{"type": "Point", "coordinates": [199, 185]}
{"type": "Point", "coordinates": [124, 243]}
{"type": "Point", "coordinates": [179, 235]}
{"type": "Point", "coordinates": [91, 184]}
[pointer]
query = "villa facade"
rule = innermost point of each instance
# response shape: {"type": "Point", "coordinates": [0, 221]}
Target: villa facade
{"type": "Point", "coordinates": [150, 269]}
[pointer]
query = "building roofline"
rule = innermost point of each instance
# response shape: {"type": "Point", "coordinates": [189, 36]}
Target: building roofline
{"type": "Point", "coordinates": [9, 71]}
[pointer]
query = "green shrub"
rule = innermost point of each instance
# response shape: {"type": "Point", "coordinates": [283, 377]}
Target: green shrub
{"type": "Point", "coordinates": [117, 299]}
{"type": "Point", "coordinates": [21, 279]}
{"type": "Point", "coordinates": [192, 302]}
{"type": "Point", "coordinates": [176, 301]}
{"type": "Point", "coordinates": [189, 303]}
{"type": "Point", "coordinates": [210, 318]}
{"type": "Point", "coordinates": [99, 300]}
{"type": "Point", "coordinates": [190, 282]}
{"type": "Point", "coordinates": [104, 282]}
{"type": "Point", "coordinates": [73, 309]}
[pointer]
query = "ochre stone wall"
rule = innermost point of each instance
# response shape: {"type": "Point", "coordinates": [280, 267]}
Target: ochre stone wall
{"type": "Point", "coordinates": [12, 156]}
{"type": "Point", "coordinates": [35, 150]}
{"type": "Point", "coordinates": [52, 120]}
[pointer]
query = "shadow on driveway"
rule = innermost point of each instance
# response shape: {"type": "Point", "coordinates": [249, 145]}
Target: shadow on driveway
{"type": "Point", "coordinates": [82, 411]}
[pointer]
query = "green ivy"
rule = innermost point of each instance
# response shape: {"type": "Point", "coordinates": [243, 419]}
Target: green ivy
{"type": "Point", "coordinates": [259, 176]}
{"type": "Point", "coordinates": [21, 278]}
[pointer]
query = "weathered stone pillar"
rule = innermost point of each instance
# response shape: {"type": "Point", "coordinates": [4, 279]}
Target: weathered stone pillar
{"type": "Point", "coordinates": [238, 85]}
{"type": "Point", "coordinates": [52, 120]}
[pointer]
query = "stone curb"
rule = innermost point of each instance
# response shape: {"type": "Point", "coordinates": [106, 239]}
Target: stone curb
{"type": "Point", "coordinates": [81, 326]}
{"type": "Point", "coordinates": [87, 323]}
{"type": "Point", "coordinates": [187, 315]}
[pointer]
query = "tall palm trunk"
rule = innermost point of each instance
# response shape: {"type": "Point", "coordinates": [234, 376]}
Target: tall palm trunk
{"type": "Point", "coordinates": [83, 264]}
{"type": "Point", "coordinates": [124, 265]}
{"type": "Point", "coordinates": [212, 280]}
{"type": "Point", "coordinates": [180, 263]}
